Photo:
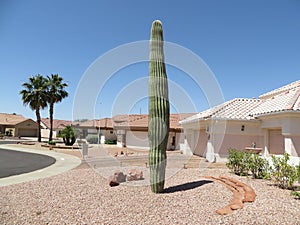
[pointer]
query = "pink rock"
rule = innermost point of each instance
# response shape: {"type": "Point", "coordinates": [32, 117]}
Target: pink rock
{"type": "Point", "coordinates": [134, 174]}
{"type": "Point", "coordinates": [117, 178]}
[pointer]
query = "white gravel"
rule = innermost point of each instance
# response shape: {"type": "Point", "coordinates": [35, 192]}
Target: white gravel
{"type": "Point", "coordinates": [82, 196]}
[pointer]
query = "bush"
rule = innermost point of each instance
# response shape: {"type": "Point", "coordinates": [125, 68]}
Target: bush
{"type": "Point", "coordinates": [296, 194]}
{"type": "Point", "coordinates": [238, 162]}
{"type": "Point", "coordinates": [92, 139]}
{"type": "Point", "coordinates": [284, 174]}
{"type": "Point", "coordinates": [245, 163]}
{"type": "Point", "coordinates": [52, 142]}
{"type": "Point", "coordinates": [259, 167]}
{"type": "Point", "coordinates": [69, 135]}
{"type": "Point", "coordinates": [110, 142]}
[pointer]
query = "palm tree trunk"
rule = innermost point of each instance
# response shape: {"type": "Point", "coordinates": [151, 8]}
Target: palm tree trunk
{"type": "Point", "coordinates": [38, 120]}
{"type": "Point", "coordinates": [51, 120]}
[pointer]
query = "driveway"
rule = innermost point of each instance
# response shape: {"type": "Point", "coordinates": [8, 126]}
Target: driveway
{"type": "Point", "coordinates": [17, 162]}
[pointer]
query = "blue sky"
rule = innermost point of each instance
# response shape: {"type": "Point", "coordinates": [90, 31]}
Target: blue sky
{"type": "Point", "coordinates": [251, 46]}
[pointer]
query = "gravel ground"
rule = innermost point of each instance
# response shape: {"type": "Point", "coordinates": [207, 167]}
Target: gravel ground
{"type": "Point", "coordinates": [82, 196]}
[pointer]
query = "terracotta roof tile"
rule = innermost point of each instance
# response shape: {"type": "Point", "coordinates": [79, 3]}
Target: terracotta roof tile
{"type": "Point", "coordinates": [141, 121]}
{"type": "Point", "coordinates": [11, 119]}
{"type": "Point", "coordinates": [57, 124]}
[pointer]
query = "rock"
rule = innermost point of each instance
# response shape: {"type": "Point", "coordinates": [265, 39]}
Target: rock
{"type": "Point", "coordinates": [112, 181]}
{"type": "Point", "coordinates": [134, 174]}
{"type": "Point", "coordinates": [117, 178]}
{"type": "Point", "coordinates": [224, 211]}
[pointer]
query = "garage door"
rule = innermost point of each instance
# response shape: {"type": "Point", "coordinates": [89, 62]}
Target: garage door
{"type": "Point", "coordinates": [276, 142]}
{"type": "Point", "coordinates": [27, 132]}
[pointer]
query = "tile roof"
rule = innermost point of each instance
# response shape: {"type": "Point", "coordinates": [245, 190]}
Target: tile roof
{"type": "Point", "coordinates": [141, 121]}
{"type": "Point", "coordinates": [236, 109]}
{"type": "Point", "coordinates": [286, 98]}
{"type": "Point", "coordinates": [57, 124]}
{"type": "Point", "coordinates": [104, 123]}
{"type": "Point", "coordinates": [11, 119]}
{"type": "Point", "coordinates": [291, 86]}
{"type": "Point", "coordinates": [285, 101]}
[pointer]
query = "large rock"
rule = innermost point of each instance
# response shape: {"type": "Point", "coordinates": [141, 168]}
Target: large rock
{"type": "Point", "coordinates": [134, 174]}
{"type": "Point", "coordinates": [117, 178]}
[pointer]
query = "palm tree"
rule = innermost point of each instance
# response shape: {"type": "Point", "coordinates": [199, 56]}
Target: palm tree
{"type": "Point", "coordinates": [34, 95]}
{"type": "Point", "coordinates": [55, 94]}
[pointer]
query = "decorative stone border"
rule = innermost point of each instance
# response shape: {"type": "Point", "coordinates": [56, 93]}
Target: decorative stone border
{"type": "Point", "coordinates": [241, 193]}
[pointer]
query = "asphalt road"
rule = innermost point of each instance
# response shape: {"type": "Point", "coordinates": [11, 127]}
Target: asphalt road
{"type": "Point", "coordinates": [16, 162]}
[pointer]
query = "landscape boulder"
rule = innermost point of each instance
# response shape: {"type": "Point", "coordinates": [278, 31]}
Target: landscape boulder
{"type": "Point", "coordinates": [117, 178]}
{"type": "Point", "coordinates": [134, 174]}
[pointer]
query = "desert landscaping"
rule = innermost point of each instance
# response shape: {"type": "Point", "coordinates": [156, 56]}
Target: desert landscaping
{"type": "Point", "coordinates": [83, 196]}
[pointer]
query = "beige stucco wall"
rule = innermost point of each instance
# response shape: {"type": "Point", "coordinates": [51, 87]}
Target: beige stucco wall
{"type": "Point", "coordinates": [28, 126]}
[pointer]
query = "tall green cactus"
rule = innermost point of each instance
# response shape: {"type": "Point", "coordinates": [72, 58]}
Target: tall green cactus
{"type": "Point", "coordinates": [159, 110]}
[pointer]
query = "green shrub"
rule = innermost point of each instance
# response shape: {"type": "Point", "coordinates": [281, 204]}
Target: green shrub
{"type": "Point", "coordinates": [296, 194]}
{"type": "Point", "coordinates": [92, 139]}
{"type": "Point", "coordinates": [110, 142]}
{"type": "Point", "coordinates": [52, 142]}
{"type": "Point", "coordinates": [284, 174]}
{"type": "Point", "coordinates": [238, 162]}
{"type": "Point", "coordinates": [259, 167]}
{"type": "Point", "coordinates": [69, 135]}
{"type": "Point", "coordinates": [245, 163]}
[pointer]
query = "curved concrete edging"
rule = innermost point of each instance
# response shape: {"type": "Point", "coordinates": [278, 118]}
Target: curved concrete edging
{"type": "Point", "coordinates": [63, 163]}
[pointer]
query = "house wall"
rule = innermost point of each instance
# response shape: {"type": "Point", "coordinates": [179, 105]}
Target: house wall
{"type": "Point", "coordinates": [108, 135]}
{"type": "Point", "coordinates": [218, 137]}
{"type": "Point", "coordinates": [45, 133]}
{"type": "Point", "coordinates": [289, 126]}
{"type": "Point", "coordinates": [139, 139]}
{"type": "Point", "coordinates": [27, 128]}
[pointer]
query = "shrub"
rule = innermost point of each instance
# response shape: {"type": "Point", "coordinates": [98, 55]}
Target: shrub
{"type": "Point", "coordinates": [259, 167]}
{"type": "Point", "coordinates": [296, 194]}
{"type": "Point", "coordinates": [238, 162]}
{"type": "Point", "coordinates": [284, 174]}
{"type": "Point", "coordinates": [110, 142]}
{"type": "Point", "coordinates": [69, 135]}
{"type": "Point", "coordinates": [243, 163]}
{"type": "Point", "coordinates": [52, 142]}
{"type": "Point", "coordinates": [92, 139]}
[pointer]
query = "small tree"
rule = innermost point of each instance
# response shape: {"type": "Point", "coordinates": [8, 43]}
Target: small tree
{"type": "Point", "coordinates": [68, 134]}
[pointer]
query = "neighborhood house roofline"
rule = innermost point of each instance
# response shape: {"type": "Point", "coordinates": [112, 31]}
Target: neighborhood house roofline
{"type": "Point", "coordinates": [12, 119]}
{"type": "Point", "coordinates": [284, 99]}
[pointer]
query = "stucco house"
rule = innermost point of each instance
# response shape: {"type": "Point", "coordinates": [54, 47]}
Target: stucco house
{"type": "Point", "coordinates": [132, 130]}
{"type": "Point", "coordinates": [57, 126]}
{"type": "Point", "coordinates": [269, 124]}
{"type": "Point", "coordinates": [102, 127]}
{"type": "Point", "coordinates": [17, 125]}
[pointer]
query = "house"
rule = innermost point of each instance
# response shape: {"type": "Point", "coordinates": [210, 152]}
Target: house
{"type": "Point", "coordinates": [270, 125]}
{"type": "Point", "coordinates": [17, 125]}
{"type": "Point", "coordinates": [102, 127]}
{"type": "Point", "coordinates": [132, 130]}
{"type": "Point", "coordinates": [57, 126]}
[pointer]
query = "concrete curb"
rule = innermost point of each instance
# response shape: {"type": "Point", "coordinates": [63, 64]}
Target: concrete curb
{"type": "Point", "coordinates": [63, 163]}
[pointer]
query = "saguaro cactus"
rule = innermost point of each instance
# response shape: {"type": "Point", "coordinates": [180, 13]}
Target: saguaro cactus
{"type": "Point", "coordinates": [159, 110]}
